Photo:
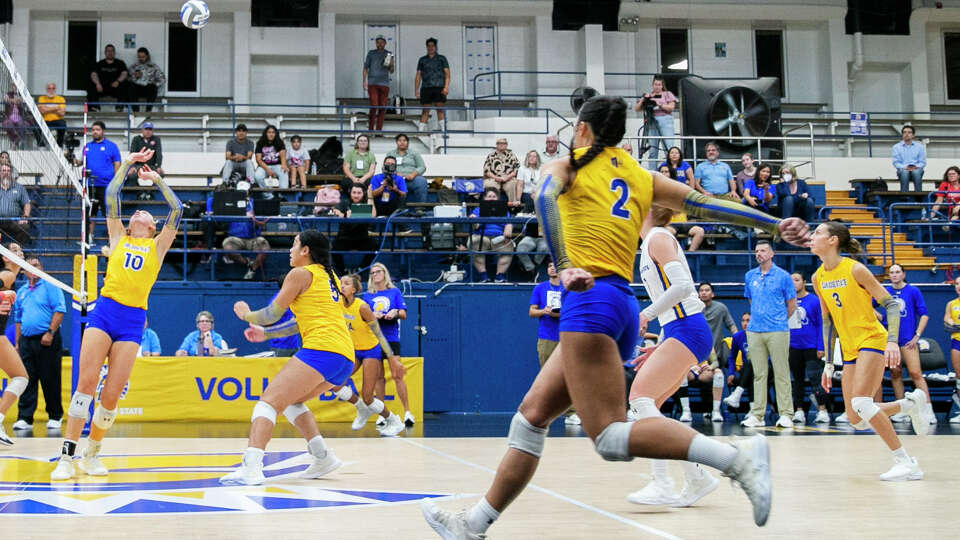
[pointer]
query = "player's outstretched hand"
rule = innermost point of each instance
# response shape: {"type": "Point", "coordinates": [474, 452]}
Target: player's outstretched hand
{"type": "Point", "coordinates": [576, 279]}
{"type": "Point", "coordinates": [142, 156]}
{"type": "Point", "coordinates": [255, 334]}
{"type": "Point", "coordinates": [826, 378]}
{"type": "Point", "coordinates": [241, 309]}
{"type": "Point", "coordinates": [795, 231]}
{"type": "Point", "coordinates": [146, 173]}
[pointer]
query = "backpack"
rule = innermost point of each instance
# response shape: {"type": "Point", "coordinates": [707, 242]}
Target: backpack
{"type": "Point", "coordinates": [324, 198]}
{"type": "Point", "coordinates": [398, 102]}
{"type": "Point", "coordinates": [326, 159]}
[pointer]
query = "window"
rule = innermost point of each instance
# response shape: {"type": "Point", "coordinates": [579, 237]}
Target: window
{"type": "Point", "coordinates": [674, 56]}
{"type": "Point", "coordinates": [768, 45]}
{"type": "Point", "coordinates": [82, 43]}
{"type": "Point", "coordinates": [182, 58]}
{"type": "Point", "coordinates": [951, 56]}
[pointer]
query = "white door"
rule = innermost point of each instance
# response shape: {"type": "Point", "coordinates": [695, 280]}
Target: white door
{"type": "Point", "coordinates": [478, 51]}
{"type": "Point", "coordinates": [388, 31]}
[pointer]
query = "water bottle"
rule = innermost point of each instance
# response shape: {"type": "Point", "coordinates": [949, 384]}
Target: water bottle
{"type": "Point", "coordinates": [463, 209]}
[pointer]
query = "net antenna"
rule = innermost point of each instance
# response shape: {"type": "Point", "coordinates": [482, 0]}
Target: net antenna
{"type": "Point", "coordinates": [32, 147]}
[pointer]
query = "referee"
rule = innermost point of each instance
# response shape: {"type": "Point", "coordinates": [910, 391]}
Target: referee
{"type": "Point", "coordinates": [38, 312]}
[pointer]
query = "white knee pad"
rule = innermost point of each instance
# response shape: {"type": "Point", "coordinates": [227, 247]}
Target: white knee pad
{"type": "Point", "coordinates": [376, 406]}
{"type": "Point", "coordinates": [865, 407]}
{"type": "Point", "coordinates": [264, 410]}
{"type": "Point", "coordinates": [17, 385]}
{"type": "Point", "coordinates": [525, 436]}
{"type": "Point", "coordinates": [861, 425]}
{"type": "Point", "coordinates": [645, 408]}
{"type": "Point", "coordinates": [294, 411]}
{"type": "Point", "coordinates": [344, 393]}
{"type": "Point", "coordinates": [717, 378]}
{"type": "Point", "coordinates": [613, 443]}
{"type": "Point", "coordinates": [103, 418]}
{"type": "Point", "coordinates": [80, 406]}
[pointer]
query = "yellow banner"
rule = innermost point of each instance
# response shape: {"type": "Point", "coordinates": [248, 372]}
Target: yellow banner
{"type": "Point", "coordinates": [223, 389]}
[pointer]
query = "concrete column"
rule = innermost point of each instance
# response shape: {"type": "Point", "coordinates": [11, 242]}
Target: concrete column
{"type": "Point", "coordinates": [919, 74]}
{"type": "Point", "coordinates": [593, 53]}
{"type": "Point", "coordinates": [327, 85]}
{"type": "Point", "coordinates": [241, 58]}
{"type": "Point", "coordinates": [840, 53]}
{"type": "Point", "coordinates": [18, 42]}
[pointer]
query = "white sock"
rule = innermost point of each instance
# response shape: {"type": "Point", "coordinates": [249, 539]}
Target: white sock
{"type": "Point", "coordinates": [317, 448]}
{"type": "Point", "coordinates": [252, 457]}
{"type": "Point", "coordinates": [481, 516]}
{"type": "Point", "coordinates": [900, 454]}
{"type": "Point", "coordinates": [904, 404]}
{"type": "Point", "coordinates": [685, 404]}
{"type": "Point", "coordinates": [660, 475]}
{"type": "Point", "coordinates": [709, 452]}
{"type": "Point", "coordinates": [716, 405]}
{"type": "Point", "coordinates": [738, 391]}
{"type": "Point", "coordinates": [693, 471]}
{"type": "Point", "coordinates": [930, 409]}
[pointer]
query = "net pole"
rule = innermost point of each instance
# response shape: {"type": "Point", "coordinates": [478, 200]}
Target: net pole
{"type": "Point", "coordinates": [84, 210]}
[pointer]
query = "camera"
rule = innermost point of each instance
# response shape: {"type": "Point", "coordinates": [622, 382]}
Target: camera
{"type": "Point", "coordinates": [648, 104]}
{"type": "Point", "coordinates": [389, 169]}
{"type": "Point", "coordinates": [70, 144]}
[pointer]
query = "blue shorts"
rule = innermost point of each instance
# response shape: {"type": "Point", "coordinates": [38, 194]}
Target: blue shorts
{"type": "Point", "coordinates": [955, 344]}
{"type": "Point", "coordinates": [120, 322]}
{"type": "Point", "coordinates": [373, 353]}
{"type": "Point", "coordinates": [609, 308]}
{"type": "Point", "coordinates": [334, 367]}
{"type": "Point", "coordinates": [694, 332]}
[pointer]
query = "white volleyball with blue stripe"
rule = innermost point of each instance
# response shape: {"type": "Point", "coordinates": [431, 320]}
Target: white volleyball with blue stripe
{"type": "Point", "coordinates": [195, 14]}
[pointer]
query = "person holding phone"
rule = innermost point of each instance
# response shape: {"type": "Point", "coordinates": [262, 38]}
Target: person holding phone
{"type": "Point", "coordinates": [203, 341]}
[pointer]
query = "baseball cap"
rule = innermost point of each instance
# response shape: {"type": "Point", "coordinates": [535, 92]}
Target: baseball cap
{"type": "Point", "coordinates": [379, 37]}
{"type": "Point", "coordinates": [147, 125]}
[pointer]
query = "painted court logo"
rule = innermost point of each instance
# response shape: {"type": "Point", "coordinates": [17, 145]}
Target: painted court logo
{"type": "Point", "coordinates": [175, 484]}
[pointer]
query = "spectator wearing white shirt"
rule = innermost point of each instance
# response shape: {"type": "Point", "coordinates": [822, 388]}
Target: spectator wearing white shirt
{"type": "Point", "coordinates": [298, 162]}
{"type": "Point", "coordinates": [551, 149]}
{"type": "Point", "coordinates": [529, 176]}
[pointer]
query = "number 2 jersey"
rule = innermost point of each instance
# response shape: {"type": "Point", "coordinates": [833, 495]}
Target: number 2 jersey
{"type": "Point", "coordinates": [602, 211]}
{"type": "Point", "coordinates": [851, 308]}
{"type": "Point", "coordinates": [131, 271]}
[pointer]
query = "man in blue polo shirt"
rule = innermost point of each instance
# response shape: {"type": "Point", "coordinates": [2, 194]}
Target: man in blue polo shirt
{"type": "Point", "coordinates": [714, 177]}
{"type": "Point", "coordinates": [388, 189]}
{"type": "Point", "coordinates": [38, 312]}
{"type": "Point", "coordinates": [773, 299]}
{"type": "Point", "coordinates": [103, 160]}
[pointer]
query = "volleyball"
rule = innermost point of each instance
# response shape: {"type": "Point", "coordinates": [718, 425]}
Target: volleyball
{"type": "Point", "coordinates": [194, 14]}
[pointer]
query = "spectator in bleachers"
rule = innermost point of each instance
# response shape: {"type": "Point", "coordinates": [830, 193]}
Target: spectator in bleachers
{"type": "Point", "coordinates": [5, 160]}
{"type": "Point", "coordinates": [664, 102]}
{"type": "Point", "coordinates": [37, 313]}
{"type": "Point", "coordinates": [146, 139]}
{"type": "Point", "coordinates": [353, 236]}
{"type": "Point", "coordinates": [500, 171]}
{"type": "Point", "coordinates": [377, 67]}
{"type": "Point", "coordinates": [714, 177]}
{"type": "Point", "coordinates": [360, 164]}
{"type": "Point", "coordinates": [53, 107]}
{"type": "Point", "coordinates": [14, 118]}
{"type": "Point", "coordinates": [203, 341]}
{"type": "Point", "coordinates": [410, 166]}
{"type": "Point", "coordinates": [298, 162]}
{"type": "Point", "coordinates": [14, 203]}
{"type": "Point", "coordinates": [432, 83]}
{"type": "Point", "coordinates": [149, 341]}
{"type": "Point", "coordinates": [492, 237]}
{"type": "Point", "coordinates": [239, 155]}
{"type": "Point", "coordinates": [531, 242]}
{"type": "Point", "coordinates": [103, 160]}
{"type": "Point", "coordinates": [244, 235]}
{"type": "Point", "coordinates": [146, 78]}
{"type": "Point", "coordinates": [528, 176]}
{"type": "Point", "coordinates": [909, 159]}
{"type": "Point", "coordinates": [773, 299]}
{"type": "Point", "coordinates": [388, 189]}
{"type": "Point", "coordinates": [758, 192]}
{"type": "Point", "coordinates": [949, 191]}
{"type": "Point", "coordinates": [683, 170]}
{"type": "Point", "coordinates": [806, 350]}
{"type": "Point", "coordinates": [551, 150]}
{"type": "Point", "coordinates": [271, 156]}
{"type": "Point", "coordinates": [678, 222]}
{"type": "Point", "coordinates": [749, 171]}
{"type": "Point", "coordinates": [108, 78]}
{"type": "Point", "coordinates": [793, 196]}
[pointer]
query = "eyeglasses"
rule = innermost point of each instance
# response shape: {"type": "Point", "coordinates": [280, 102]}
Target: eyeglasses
{"type": "Point", "coordinates": [204, 321]}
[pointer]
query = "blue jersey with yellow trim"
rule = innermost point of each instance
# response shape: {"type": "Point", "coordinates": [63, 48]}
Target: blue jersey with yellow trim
{"type": "Point", "coordinates": [132, 270]}
{"type": "Point", "coordinates": [320, 314]}
{"type": "Point", "coordinates": [851, 308]}
{"type": "Point", "coordinates": [656, 283]}
{"type": "Point", "coordinates": [602, 210]}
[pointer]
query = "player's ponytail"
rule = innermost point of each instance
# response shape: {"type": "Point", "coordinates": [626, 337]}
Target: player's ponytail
{"type": "Point", "coordinates": [607, 118]}
{"type": "Point", "coordinates": [844, 241]}
{"type": "Point", "coordinates": [319, 248]}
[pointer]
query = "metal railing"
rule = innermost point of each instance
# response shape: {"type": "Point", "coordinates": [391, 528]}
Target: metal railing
{"type": "Point", "coordinates": [823, 214]}
{"type": "Point", "coordinates": [925, 228]}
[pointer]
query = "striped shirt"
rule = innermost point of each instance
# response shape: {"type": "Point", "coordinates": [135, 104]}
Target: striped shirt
{"type": "Point", "coordinates": [12, 200]}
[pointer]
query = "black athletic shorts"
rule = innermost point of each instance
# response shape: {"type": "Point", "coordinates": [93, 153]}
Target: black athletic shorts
{"type": "Point", "coordinates": [432, 94]}
{"type": "Point", "coordinates": [394, 346]}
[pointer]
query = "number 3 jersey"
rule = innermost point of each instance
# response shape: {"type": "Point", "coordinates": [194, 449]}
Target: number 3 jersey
{"type": "Point", "coordinates": [131, 271]}
{"type": "Point", "coordinates": [656, 282]}
{"type": "Point", "coordinates": [851, 308]}
{"type": "Point", "coordinates": [601, 213]}
{"type": "Point", "coordinates": [319, 313]}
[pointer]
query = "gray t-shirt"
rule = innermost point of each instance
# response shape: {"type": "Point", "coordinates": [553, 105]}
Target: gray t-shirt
{"type": "Point", "coordinates": [718, 318]}
{"type": "Point", "coordinates": [431, 70]}
{"type": "Point", "coordinates": [236, 147]}
{"type": "Point", "coordinates": [377, 73]}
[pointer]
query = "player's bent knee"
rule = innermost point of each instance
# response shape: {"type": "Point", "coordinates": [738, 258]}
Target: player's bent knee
{"type": "Point", "coordinates": [525, 436]}
{"type": "Point", "coordinates": [613, 443]}
{"type": "Point", "coordinates": [264, 410]}
{"type": "Point", "coordinates": [717, 378]}
{"type": "Point", "coordinates": [80, 406]}
{"type": "Point", "coordinates": [344, 393]}
{"type": "Point", "coordinates": [294, 411]}
{"type": "Point", "coordinates": [17, 385]}
{"type": "Point", "coordinates": [865, 407]}
{"type": "Point", "coordinates": [104, 418]}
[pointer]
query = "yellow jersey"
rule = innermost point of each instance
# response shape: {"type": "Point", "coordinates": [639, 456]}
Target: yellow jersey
{"type": "Point", "coordinates": [363, 338]}
{"type": "Point", "coordinates": [132, 270]}
{"type": "Point", "coordinates": [953, 308]}
{"type": "Point", "coordinates": [319, 314]}
{"type": "Point", "coordinates": [851, 308]}
{"type": "Point", "coordinates": [602, 211]}
{"type": "Point", "coordinates": [55, 100]}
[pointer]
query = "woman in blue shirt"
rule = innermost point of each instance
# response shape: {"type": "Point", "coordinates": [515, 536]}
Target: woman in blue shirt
{"type": "Point", "coordinates": [684, 172]}
{"type": "Point", "coordinates": [492, 237]}
{"type": "Point", "coordinates": [388, 307]}
{"type": "Point", "coordinates": [203, 341]}
{"type": "Point", "coordinates": [758, 192]}
{"type": "Point", "coordinates": [149, 342]}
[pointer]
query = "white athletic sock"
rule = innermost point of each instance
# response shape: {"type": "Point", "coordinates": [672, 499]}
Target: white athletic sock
{"type": "Point", "coordinates": [738, 391]}
{"type": "Point", "coordinates": [317, 448]}
{"type": "Point", "coordinates": [693, 471]}
{"type": "Point", "coordinates": [711, 453]}
{"type": "Point", "coordinates": [904, 404]}
{"type": "Point", "coordinates": [716, 405]}
{"type": "Point", "coordinates": [660, 475]}
{"type": "Point", "coordinates": [900, 455]}
{"type": "Point", "coordinates": [930, 409]}
{"type": "Point", "coordinates": [252, 457]}
{"type": "Point", "coordinates": [685, 401]}
{"type": "Point", "coordinates": [481, 516]}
